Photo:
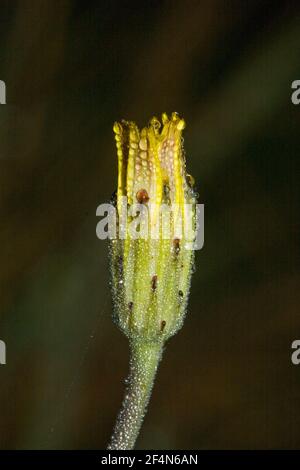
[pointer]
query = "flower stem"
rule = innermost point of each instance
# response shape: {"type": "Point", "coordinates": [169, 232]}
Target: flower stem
{"type": "Point", "coordinates": [144, 360]}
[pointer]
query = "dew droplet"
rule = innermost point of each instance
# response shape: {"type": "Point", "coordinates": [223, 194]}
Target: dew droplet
{"type": "Point", "coordinates": [143, 143]}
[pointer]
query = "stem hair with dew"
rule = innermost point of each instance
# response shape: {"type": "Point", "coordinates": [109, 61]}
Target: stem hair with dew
{"type": "Point", "coordinates": [144, 362]}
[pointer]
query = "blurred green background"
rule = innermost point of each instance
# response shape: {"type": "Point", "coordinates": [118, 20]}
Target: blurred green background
{"type": "Point", "coordinates": [71, 68]}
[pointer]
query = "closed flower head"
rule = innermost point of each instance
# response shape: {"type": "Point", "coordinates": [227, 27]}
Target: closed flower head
{"type": "Point", "coordinates": [151, 260]}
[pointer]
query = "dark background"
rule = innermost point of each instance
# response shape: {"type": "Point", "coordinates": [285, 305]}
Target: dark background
{"type": "Point", "coordinates": [71, 68]}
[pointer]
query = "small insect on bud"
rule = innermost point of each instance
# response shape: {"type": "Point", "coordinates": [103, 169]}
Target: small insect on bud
{"type": "Point", "coordinates": [176, 245]}
{"type": "Point", "coordinates": [142, 196]}
{"type": "Point", "coordinates": [151, 172]}
{"type": "Point", "coordinates": [154, 283]}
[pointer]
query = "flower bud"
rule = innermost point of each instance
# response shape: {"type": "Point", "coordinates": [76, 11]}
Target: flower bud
{"type": "Point", "coordinates": [152, 256]}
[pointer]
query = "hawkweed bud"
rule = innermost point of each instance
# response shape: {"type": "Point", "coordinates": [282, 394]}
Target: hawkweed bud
{"type": "Point", "coordinates": [152, 256]}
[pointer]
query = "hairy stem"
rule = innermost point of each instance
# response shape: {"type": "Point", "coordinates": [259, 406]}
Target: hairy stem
{"type": "Point", "coordinates": [144, 360]}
